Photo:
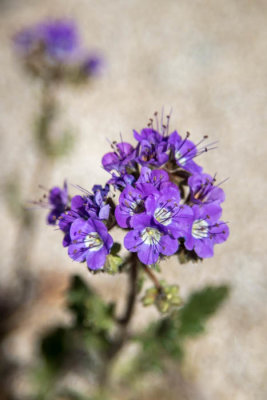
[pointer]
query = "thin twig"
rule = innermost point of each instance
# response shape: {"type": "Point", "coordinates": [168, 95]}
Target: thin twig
{"type": "Point", "coordinates": [152, 277]}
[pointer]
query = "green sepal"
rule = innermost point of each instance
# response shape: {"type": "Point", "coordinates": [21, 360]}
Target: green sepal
{"type": "Point", "coordinates": [164, 299]}
{"type": "Point", "coordinates": [113, 264]}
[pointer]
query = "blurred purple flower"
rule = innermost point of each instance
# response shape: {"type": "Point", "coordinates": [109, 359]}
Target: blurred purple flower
{"type": "Point", "coordinates": [59, 39]}
{"type": "Point", "coordinates": [57, 201]}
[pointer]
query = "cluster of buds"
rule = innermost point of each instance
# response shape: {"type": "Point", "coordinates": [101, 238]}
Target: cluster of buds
{"type": "Point", "coordinates": [52, 50]}
{"type": "Point", "coordinates": [167, 205]}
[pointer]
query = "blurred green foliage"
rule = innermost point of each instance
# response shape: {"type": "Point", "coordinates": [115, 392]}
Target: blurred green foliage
{"type": "Point", "coordinates": [86, 344]}
{"type": "Point", "coordinates": [165, 338]}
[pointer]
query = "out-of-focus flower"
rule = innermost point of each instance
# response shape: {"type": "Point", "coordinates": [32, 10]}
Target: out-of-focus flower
{"type": "Point", "coordinates": [57, 202]}
{"type": "Point", "coordinates": [53, 48]}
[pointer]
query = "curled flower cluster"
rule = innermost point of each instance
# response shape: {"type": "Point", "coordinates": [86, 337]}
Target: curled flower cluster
{"type": "Point", "coordinates": [52, 49]}
{"type": "Point", "coordinates": [167, 204]}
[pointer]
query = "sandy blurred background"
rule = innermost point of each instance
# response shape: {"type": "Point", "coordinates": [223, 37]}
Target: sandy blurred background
{"type": "Point", "coordinates": [207, 61]}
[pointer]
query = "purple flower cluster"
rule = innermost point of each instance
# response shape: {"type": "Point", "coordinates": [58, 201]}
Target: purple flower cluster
{"type": "Point", "coordinates": [55, 43]}
{"type": "Point", "coordinates": [83, 224]}
{"type": "Point", "coordinates": [166, 203]}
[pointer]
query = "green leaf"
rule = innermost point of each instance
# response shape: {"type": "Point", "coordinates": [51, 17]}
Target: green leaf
{"type": "Point", "coordinates": [199, 307]}
{"type": "Point", "coordinates": [88, 307]}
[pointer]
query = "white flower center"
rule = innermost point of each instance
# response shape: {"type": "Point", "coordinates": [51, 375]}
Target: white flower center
{"type": "Point", "coordinates": [93, 241]}
{"type": "Point", "coordinates": [200, 229]}
{"type": "Point", "coordinates": [179, 157]}
{"type": "Point", "coordinates": [150, 235]}
{"type": "Point", "coordinates": [163, 216]}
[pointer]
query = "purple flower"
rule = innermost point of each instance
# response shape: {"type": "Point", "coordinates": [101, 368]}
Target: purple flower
{"type": "Point", "coordinates": [152, 147]}
{"type": "Point", "coordinates": [90, 241]}
{"type": "Point", "coordinates": [85, 207]}
{"type": "Point", "coordinates": [157, 177]}
{"type": "Point", "coordinates": [131, 202]}
{"type": "Point", "coordinates": [203, 190]}
{"type": "Point", "coordinates": [121, 181]}
{"type": "Point", "coordinates": [120, 159]}
{"type": "Point", "coordinates": [94, 204]}
{"type": "Point", "coordinates": [183, 152]}
{"type": "Point", "coordinates": [149, 240]}
{"type": "Point", "coordinates": [91, 65]}
{"type": "Point", "coordinates": [57, 201]}
{"type": "Point", "coordinates": [24, 40]}
{"type": "Point", "coordinates": [58, 38]}
{"type": "Point", "coordinates": [206, 230]}
{"type": "Point", "coordinates": [66, 219]}
{"type": "Point", "coordinates": [164, 207]}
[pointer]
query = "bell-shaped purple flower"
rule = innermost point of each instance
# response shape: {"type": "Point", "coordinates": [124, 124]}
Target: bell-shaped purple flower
{"type": "Point", "coordinates": [206, 230]}
{"type": "Point", "coordinates": [131, 202]}
{"type": "Point", "coordinates": [204, 191]}
{"type": "Point", "coordinates": [149, 240]}
{"type": "Point", "coordinates": [118, 160]}
{"type": "Point", "coordinates": [166, 210]}
{"type": "Point", "coordinates": [152, 147]}
{"type": "Point", "coordinates": [121, 181]}
{"type": "Point", "coordinates": [77, 210]}
{"type": "Point", "coordinates": [184, 152]}
{"type": "Point", "coordinates": [156, 177]}
{"type": "Point", "coordinates": [90, 241]}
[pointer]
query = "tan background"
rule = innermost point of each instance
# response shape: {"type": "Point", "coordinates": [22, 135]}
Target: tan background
{"type": "Point", "coordinates": [207, 61]}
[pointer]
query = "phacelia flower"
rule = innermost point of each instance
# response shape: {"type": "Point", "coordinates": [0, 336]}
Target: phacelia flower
{"type": "Point", "coordinates": [184, 151]}
{"type": "Point", "coordinates": [131, 202]}
{"type": "Point", "coordinates": [165, 208]}
{"type": "Point", "coordinates": [204, 191]}
{"type": "Point", "coordinates": [121, 181]}
{"type": "Point", "coordinates": [206, 230]}
{"type": "Point", "coordinates": [77, 210]}
{"type": "Point", "coordinates": [152, 147]}
{"type": "Point", "coordinates": [57, 202]}
{"type": "Point", "coordinates": [52, 48]}
{"type": "Point", "coordinates": [122, 157]}
{"type": "Point", "coordinates": [157, 177]}
{"type": "Point", "coordinates": [57, 38]}
{"type": "Point", "coordinates": [149, 240]}
{"type": "Point", "coordinates": [85, 207]}
{"type": "Point", "coordinates": [90, 242]}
